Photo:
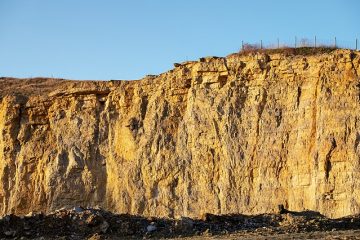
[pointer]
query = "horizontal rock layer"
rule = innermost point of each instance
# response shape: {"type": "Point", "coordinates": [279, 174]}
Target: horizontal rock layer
{"type": "Point", "coordinates": [240, 134]}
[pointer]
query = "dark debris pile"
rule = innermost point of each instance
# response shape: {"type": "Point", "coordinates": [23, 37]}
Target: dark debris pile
{"type": "Point", "coordinates": [80, 223]}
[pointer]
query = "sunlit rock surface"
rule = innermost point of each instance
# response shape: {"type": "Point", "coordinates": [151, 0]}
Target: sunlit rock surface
{"type": "Point", "coordinates": [240, 134]}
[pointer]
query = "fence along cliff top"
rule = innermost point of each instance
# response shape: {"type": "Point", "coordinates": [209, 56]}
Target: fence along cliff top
{"type": "Point", "coordinates": [302, 42]}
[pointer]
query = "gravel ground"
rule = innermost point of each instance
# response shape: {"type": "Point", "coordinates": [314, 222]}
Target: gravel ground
{"type": "Point", "coordinates": [349, 234]}
{"type": "Point", "coordinates": [80, 223]}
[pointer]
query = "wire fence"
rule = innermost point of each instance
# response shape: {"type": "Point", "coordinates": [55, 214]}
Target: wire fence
{"type": "Point", "coordinates": [297, 42]}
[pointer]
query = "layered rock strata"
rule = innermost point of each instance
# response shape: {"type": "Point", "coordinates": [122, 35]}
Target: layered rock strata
{"type": "Point", "coordinates": [240, 134]}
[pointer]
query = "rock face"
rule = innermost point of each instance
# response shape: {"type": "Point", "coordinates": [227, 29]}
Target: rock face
{"type": "Point", "coordinates": [240, 134]}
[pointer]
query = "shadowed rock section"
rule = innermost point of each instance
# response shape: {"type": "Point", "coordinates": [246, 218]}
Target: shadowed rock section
{"type": "Point", "coordinates": [92, 224]}
{"type": "Point", "coordinates": [240, 134]}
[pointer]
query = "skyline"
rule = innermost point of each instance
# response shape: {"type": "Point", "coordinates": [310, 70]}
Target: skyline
{"type": "Point", "coordinates": [127, 40]}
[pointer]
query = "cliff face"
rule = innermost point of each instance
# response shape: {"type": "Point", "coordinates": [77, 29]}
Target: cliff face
{"type": "Point", "coordinates": [239, 134]}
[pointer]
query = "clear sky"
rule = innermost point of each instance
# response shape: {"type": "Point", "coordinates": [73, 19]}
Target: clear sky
{"type": "Point", "coordinates": [127, 39]}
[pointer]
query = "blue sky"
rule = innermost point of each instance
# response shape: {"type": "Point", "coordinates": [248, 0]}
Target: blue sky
{"type": "Point", "coordinates": [127, 39]}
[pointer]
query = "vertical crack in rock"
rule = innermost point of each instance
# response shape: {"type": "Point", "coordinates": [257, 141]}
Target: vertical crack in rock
{"type": "Point", "coordinates": [314, 116]}
{"type": "Point", "coordinates": [260, 110]}
{"type": "Point", "coordinates": [327, 164]}
{"type": "Point", "coordinates": [357, 141]}
{"type": "Point", "coordinates": [298, 96]}
{"type": "Point", "coordinates": [278, 116]}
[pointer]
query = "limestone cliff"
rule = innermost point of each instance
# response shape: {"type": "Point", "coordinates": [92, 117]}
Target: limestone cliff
{"type": "Point", "coordinates": [239, 134]}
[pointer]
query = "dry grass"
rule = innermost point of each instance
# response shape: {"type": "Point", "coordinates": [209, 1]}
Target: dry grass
{"type": "Point", "coordinates": [305, 51]}
{"type": "Point", "coordinates": [30, 86]}
{"type": "Point", "coordinates": [43, 86]}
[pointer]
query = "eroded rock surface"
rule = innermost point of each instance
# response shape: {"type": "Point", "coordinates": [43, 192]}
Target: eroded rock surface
{"type": "Point", "coordinates": [240, 134]}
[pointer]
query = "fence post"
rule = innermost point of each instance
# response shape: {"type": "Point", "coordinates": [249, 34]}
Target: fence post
{"type": "Point", "coordinates": [260, 44]}
{"type": "Point", "coordinates": [242, 45]}
{"type": "Point", "coordinates": [295, 41]}
{"type": "Point", "coordinates": [315, 41]}
{"type": "Point", "coordinates": [278, 43]}
{"type": "Point", "coordinates": [335, 42]}
{"type": "Point", "coordinates": [356, 45]}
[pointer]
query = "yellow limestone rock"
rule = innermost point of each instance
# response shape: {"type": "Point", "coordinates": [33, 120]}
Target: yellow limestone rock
{"type": "Point", "coordinates": [240, 134]}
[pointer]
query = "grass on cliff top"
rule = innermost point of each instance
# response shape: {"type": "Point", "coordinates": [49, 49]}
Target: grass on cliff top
{"type": "Point", "coordinates": [304, 51]}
